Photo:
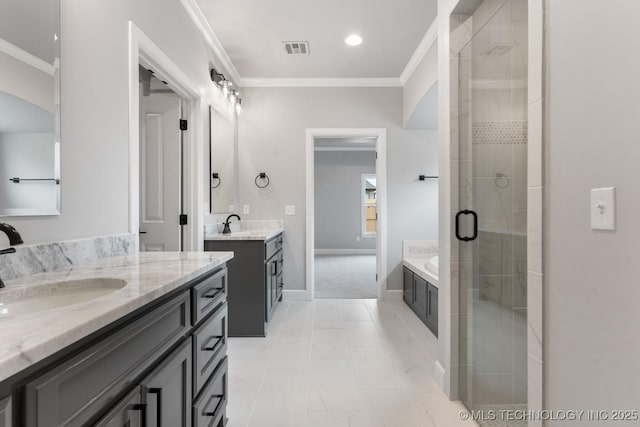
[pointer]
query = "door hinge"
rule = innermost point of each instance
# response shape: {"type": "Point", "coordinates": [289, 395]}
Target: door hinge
{"type": "Point", "coordinates": [183, 219]}
{"type": "Point", "coordinates": [376, 154]}
{"type": "Point", "coordinates": [183, 124]}
{"type": "Point", "coordinates": [376, 277]}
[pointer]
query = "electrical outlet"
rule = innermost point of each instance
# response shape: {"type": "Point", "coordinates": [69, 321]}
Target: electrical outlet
{"type": "Point", "coordinates": [289, 210]}
{"type": "Point", "coordinates": [232, 208]}
{"type": "Point", "coordinates": [357, 238]}
{"type": "Point", "coordinates": [245, 209]}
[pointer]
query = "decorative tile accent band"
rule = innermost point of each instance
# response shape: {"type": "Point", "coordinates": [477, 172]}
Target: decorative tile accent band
{"type": "Point", "coordinates": [499, 132]}
{"type": "Point", "coordinates": [40, 258]}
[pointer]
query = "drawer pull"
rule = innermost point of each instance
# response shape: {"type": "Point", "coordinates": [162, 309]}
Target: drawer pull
{"type": "Point", "coordinates": [221, 403]}
{"type": "Point", "coordinates": [214, 295]}
{"type": "Point", "coordinates": [216, 346]}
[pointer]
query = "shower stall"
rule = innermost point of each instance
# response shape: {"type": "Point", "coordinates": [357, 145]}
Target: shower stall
{"type": "Point", "coordinates": [491, 225]}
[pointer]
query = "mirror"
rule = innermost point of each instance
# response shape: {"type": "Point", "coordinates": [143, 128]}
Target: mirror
{"type": "Point", "coordinates": [223, 164]}
{"type": "Point", "coordinates": [29, 108]}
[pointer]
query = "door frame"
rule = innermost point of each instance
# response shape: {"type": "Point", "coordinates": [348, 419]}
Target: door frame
{"type": "Point", "coordinates": [381, 171]}
{"type": "Point", "coordinates": [143, 51]}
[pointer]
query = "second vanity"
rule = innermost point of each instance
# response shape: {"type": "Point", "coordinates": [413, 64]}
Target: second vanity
{"type": "Point", "coordinates": [149, 348]}
{"type": "Point", "coordinates": [256, 273]}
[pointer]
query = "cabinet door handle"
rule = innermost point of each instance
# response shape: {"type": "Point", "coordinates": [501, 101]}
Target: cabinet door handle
{"type": "Point", "coordinates": [142, 407]}
{"type": "Point", "coordinates": [221, 403]}
{"type": "Point", "coordinates": [214, 295]}
{"type": "Point", "coordinates": [216, 346]}
{"type": "Point", "coordinates": [158, 393]}
{"type": "Point", "coordinates": [475, 225]}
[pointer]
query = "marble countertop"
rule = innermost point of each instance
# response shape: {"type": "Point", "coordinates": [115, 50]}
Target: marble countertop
{"type": "Point", "coordinates": [417, 265]}
{"type": "Point", "coordinates": [245, 230]}
{"type": "Point", "coordinates": [28, 338]}
{"type": "Point", "coordinates": [245, 235]}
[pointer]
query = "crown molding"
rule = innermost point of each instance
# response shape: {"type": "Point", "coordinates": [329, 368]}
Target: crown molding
{"type": "Point", "coordinates": [26, 57]}
{"type": "Point", "coordinates": [202, 23]}
{"type": "Point", "coordinates": [322, 82]}
{"type": "Point", "coordinates": [425, 44]}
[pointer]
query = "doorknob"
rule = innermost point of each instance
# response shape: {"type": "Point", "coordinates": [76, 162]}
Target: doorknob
{"type": "Point", "coordinates": [474, 236]}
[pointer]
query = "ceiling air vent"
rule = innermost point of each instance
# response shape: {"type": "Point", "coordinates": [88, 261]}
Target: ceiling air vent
{"type": "Point", "coordinates": [297, 48]}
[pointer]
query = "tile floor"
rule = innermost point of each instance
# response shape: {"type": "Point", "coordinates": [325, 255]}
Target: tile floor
{"type": "Point", "coordinates": [335, 363]}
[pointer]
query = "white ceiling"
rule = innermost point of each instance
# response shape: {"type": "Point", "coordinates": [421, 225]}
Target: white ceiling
{"type": "Point", "coordinates": [252, 32]}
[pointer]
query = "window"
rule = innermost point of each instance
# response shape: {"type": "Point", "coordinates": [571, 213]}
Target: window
{"type": "Point", "coordinates": [369, 208]}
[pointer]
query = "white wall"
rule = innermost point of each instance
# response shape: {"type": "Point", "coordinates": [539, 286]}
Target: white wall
{"type": "Point", "coordinates": [591, 284]}
{"type": "Point", "coordinates": [422, 79]}
{"type": "Point", "coordinates": [27, 155]}
{"type": "Point", "coordinates": [272, 139]}
{"type": "Point", "coordinates": [338, 199]}
{"type": "Point", "coordinates": [95, 120]}
{"type": "Point", "coordinates": [26, 82]}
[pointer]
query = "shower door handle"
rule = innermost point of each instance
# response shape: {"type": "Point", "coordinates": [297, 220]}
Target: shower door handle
{"type": "Point", "coordinates": [475, 225]}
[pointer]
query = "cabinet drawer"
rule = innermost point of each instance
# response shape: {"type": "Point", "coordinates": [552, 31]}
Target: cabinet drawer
{"type": "Point", "coordinates": [209, 294]}
{"type": "Point", "coordinates": [210, 409]}
{"type": "Point", "coordinates": [209, 347]}
{"type": "Point", "coordinates": [77, 390]}
{"type": "Point", "coordinates": [272, 246]}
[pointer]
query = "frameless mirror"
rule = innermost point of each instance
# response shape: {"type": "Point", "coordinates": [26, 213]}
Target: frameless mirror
{"type": "Point", "coordinates": [29, 108]}
{"type": "Point", "coordinates": [223, 164]}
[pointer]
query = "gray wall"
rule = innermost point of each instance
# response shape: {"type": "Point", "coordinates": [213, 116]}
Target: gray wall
{"type": "Point", "coordinates": [591, 290]}
{"type": "Point", "coordinates": [95, 110]}
{"type": "Point", "coordinates": [272, 139]}
{"type": "Point", "coordinates": [338, 199]}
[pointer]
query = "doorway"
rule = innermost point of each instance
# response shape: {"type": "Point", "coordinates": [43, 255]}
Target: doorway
{"type": "Point", "coordinates": [345, 217]}
{"type": "Point", "coordinates": [329, 246]}
{"type": "Point", "coordinates": [161, 165]}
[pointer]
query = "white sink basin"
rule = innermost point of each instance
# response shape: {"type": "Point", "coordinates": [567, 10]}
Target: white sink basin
{"type": "Point", "coordinates": [55, 295]}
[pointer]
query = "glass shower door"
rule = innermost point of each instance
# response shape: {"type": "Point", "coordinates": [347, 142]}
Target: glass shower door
{"type": "Point", "coordinates": [491, 223]}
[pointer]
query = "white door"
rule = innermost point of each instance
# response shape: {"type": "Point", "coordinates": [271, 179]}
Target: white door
{"type": "Point", "coordinates": [160, 175]}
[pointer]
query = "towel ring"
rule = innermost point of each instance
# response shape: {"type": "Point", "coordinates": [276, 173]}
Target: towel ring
{"type": "Point", "coordinates": [214, 176]}
{"type": "Point", "coordinates": [263, 176]}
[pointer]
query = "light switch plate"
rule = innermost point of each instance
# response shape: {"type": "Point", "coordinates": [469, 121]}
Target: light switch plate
{"type": "Point", "coordinates": [245, 209]}
{"type": "Point", "coordinates": [289, 210]}
{"type": "Point", "coordinates": [603, 208]}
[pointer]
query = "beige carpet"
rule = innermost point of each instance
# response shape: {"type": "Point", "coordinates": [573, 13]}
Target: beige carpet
{"type": "Point", "coordinates": [345, 276]}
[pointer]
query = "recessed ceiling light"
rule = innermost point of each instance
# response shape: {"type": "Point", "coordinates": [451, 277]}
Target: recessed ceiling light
{"type": "Point", "coordinates": [353, 40]}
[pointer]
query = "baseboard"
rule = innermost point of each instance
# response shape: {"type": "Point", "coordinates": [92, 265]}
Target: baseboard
{"type": "Point", "coordinates": [295, 295]}
{"type": "Point", "coordinates": [439, 374]}
{"type": "Point", "coordinates": [344, 251]}
{"type": "Point", "coordinates": [393, 295]}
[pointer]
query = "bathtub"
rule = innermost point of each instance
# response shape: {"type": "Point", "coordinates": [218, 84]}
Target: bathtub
{"type": "Point", "coordinates": [432, 265]}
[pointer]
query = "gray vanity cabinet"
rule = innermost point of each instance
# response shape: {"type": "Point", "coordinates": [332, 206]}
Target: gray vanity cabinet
{"type": "Point", "coordinates": [422, 297]}
{"type": "Point", "coordinates": [5, 412]}
{"type": "Point", "coordinates": [256, 272]}
{"type": "Point", "coordinates": [158, 366]}
{"type": "Point", "coordinates": [407, 285]}
{"type": "Point", "coordinates": [167, 390]}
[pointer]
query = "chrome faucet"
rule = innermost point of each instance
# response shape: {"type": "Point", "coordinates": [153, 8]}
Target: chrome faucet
{"type": "Point", "coordinates": [14, 239]}
{"type": "Point", "coordinates": [227, 228]}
